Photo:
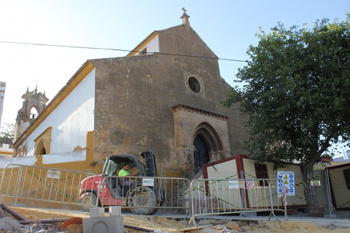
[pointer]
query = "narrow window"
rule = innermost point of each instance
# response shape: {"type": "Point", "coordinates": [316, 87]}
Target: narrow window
{"type": "Point", "coordinates": [261, 173]}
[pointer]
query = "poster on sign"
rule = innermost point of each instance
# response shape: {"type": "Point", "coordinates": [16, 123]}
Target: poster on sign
{"type": "Point", "coordinates": [315, 183]}
{"type": "Point", "coordinates": [250, 184]}
{"type": "Point", "coordinates": [233, 184]}
{"type": "Point", "coordinates": [53, 174]}
{"type": "Point", "coordinates": [286, 183]}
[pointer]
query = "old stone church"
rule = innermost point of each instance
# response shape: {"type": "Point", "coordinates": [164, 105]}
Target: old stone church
{"type": "Point", "coordinates": [164, 96]}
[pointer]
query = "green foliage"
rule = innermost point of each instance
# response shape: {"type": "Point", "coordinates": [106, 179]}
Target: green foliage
{"type": "Point", "coordinates": [297, 91]}
{"type": "Point", "coordinates": [7, 131]}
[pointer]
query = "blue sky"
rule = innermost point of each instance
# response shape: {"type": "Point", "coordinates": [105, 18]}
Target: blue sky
{"type": "Point", "coordinates": [228, 27]}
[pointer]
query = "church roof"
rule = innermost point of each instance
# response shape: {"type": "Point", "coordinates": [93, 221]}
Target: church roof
{"type": "Point", "coordinates": [137, 49]}
{"type": "Point", "coordinates": [143, 43]}
{"type": "Point", "coordinates": [185, 25]}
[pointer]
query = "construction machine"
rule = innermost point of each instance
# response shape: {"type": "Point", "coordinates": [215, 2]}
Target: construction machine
{"type": "Point", "coordinates": [140, 193]}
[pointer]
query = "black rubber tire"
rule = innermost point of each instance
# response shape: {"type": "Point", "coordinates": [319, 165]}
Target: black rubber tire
{"type": "Point", "coordinates": [87, 201]}
{"type": "Point", "coordinates": [144, 199]}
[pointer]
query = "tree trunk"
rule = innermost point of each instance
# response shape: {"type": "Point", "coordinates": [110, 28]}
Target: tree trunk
{"type": "Point", "coordinates": [310, 195]}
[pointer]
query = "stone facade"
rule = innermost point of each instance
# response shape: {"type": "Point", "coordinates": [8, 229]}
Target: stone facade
{"type": "Point", "coordinates": [165, 97]}
{"type": "Point", "coordinates": [162, 102]}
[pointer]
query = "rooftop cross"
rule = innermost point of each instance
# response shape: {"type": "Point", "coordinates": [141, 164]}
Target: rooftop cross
{"type": "Point", "coordinates": [185, 17]}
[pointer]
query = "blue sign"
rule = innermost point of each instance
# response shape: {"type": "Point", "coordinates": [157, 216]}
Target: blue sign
{"type": "Point", "coordinates": [286, 183]}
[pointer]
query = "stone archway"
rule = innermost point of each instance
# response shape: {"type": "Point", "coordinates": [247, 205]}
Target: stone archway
{"type": "Point", "coordinates": [43, 142]}
{"type": "Point", "coordinates": [40, 149]}
{"type": "Point", "coordinates": [210, 131]}
{"type": "Point", "coordinates": [206, 144]}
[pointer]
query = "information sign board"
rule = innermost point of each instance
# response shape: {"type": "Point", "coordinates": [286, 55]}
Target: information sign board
{"type": "Point", "coordinates": [286, 183]}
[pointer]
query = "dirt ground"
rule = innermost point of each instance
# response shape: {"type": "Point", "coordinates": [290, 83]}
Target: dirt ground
{"type": "Point", "coordinates": [160, 224]}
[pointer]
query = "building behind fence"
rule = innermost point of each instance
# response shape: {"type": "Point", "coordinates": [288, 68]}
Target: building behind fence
{"type": "Point", "coordinates": [216, 191]}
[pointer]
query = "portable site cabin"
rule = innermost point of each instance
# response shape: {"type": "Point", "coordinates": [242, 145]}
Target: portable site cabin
{"type": "Point", "coordinates": [339, 177]}
{"type": "Point", "coordinates": [245, 171]}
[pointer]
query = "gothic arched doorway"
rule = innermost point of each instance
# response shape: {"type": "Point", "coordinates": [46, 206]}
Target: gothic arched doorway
{"type": "Point", "coordinates": [42, 151]}
{"type": "Point", "coordinates": [201, 154]}
{"type": "Point", "coordinates": [206, 142]}
{"type": "Point", "coordinates": [40, 148]}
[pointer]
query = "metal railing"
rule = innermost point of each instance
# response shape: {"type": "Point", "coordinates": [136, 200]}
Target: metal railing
{"type": "Point", "coordinates": [143, 195]}
{"type": "Point", "coordinates": [146, 195]}
{"type": "Point", "coordinates": [41, 184]}
{"type": "Point", "coordinates": [234, 196]}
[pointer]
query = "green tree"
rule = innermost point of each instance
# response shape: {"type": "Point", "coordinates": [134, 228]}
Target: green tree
{"type": "Point", "coordinates": [297, 93]}
{"type": "Point", "coordinates": [8, 131]}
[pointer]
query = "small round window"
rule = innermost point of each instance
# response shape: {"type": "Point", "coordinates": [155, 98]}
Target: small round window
{"type": "Point", "coordinates": [194, 84]}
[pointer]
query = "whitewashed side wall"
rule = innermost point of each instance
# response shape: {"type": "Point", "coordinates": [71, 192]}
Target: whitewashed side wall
{"type": "Point", "coordinates": [47, 159]}
{"type": "Point", "coordinates": [70, 121]}
{"type": "Point", "coordinates": [67, 157]}
{"type": "Point", "coordinates": [18, 160]}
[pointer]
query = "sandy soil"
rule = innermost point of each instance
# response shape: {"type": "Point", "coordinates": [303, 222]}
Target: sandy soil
{"type": "Point", "coordinates": [211, 225]}
{"type": "Point", "coordinates": [262, 226]}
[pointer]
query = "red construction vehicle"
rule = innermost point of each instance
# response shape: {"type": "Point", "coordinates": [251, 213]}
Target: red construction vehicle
{"type": "Point", "coordinates": [107, 189]}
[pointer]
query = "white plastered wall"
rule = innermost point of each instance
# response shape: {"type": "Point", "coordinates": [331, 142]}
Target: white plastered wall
{"type": "Point", "coordinates": [152, 46]}
{"type": "Point", "coordinates": [70, 121]}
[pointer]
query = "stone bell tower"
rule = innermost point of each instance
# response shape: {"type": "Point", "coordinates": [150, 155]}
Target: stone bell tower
{"type": "Point", "coordinates": [33, 105]}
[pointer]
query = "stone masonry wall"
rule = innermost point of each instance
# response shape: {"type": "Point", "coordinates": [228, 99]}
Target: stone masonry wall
{"type": "Point", "coordinates": [135, 97]}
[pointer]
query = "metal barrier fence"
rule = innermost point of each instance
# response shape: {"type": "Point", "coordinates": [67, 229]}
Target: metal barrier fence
{"type": "Point", "coordinates": [41, 184]}
{"type": "Point", "coordinates": [145, 195]}
{"type": "Point", "coordinates": [140, 195]}
{"type": "Point", "coordinates": [233, 196]}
